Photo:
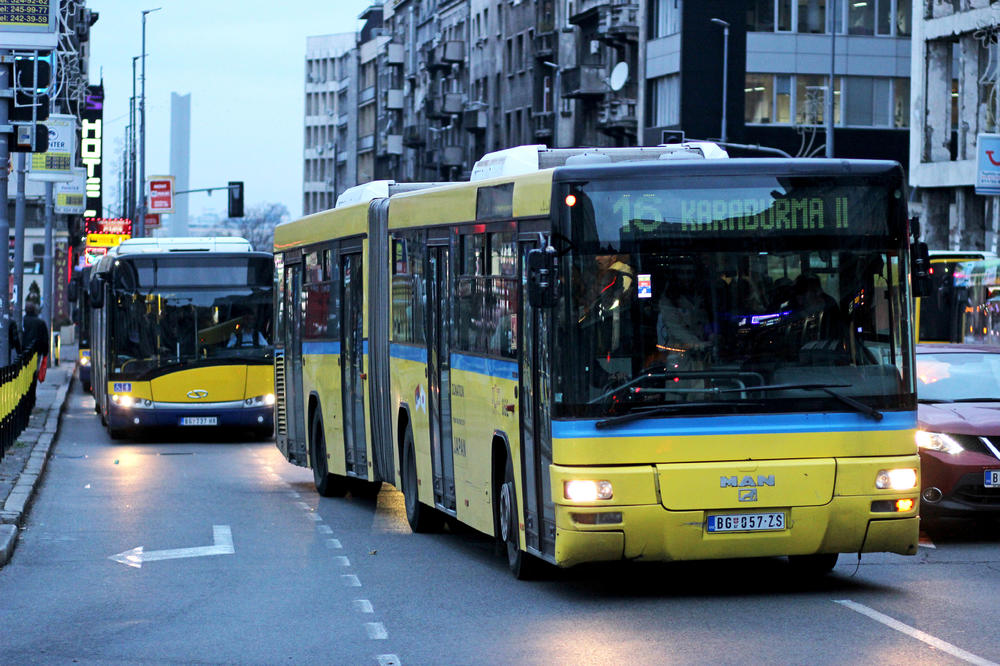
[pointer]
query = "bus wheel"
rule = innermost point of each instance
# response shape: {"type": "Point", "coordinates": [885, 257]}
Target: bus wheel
{"type": "Point", "coordinates": [421, 518]}
{"type": "Point", "coordinates": [523, 565]}
{"type": "Point", "coordinates": [327, 485]}
{"type": "Point", "coordinates": [811, 566]}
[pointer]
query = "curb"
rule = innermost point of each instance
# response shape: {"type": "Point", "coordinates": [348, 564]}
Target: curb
{"type": "Point", "coordinates": [16, 506]}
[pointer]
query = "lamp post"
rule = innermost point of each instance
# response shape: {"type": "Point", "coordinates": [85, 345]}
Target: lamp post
{"type": "Point", "coordinates": [139, 224]}
{"type": "Point", "coordinates": [830, 90]}
{"type": "Point", "coordinates": [725, 71]}
{"type": "Point", "coordinates": [130, 187]}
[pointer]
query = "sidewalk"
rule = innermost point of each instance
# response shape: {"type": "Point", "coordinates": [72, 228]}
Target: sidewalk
{"type": "Point", "coordinates": [24, 463]}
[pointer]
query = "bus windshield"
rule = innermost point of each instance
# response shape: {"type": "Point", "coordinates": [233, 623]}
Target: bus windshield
{"type": "Point", "coordinates": [158, 325]}
{"type": "Point", "coordinates": [762, 294]}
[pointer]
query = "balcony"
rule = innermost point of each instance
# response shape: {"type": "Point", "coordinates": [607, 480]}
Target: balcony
{"type": "Point", "coordinates": [452, 156]}
{"type": "Point", "coordinates": [453, 103]}
{"type": "Point", "coordinates": [546, 45]}
{"type": "Point", "coordinates": [451, 51]}
{"type": "Point", "coordinates": [412, 138]}
{"type": "Point", "coordinates": [617, 115]}
{"type": "Point", "coordinates": [390, 144]}
{"type": "Point", "coordinates": [543, 124]}
{"type": "Point", "coordinates": [474, 120]}
{"type": "Point", "coordinates": [584, 81]}
{"type": "Point", "coordinates": [366, 143]}
{"type": "Point", "coordinates": [394, 53]}
{"type": "Point", "coordinates": [392, 99]}
{"type": "Point", "coordinates": [366, 96]}
{"type": "Point", "coordinates": [432, 59]}
{"type": "Point", "coordinates": [616, 19]}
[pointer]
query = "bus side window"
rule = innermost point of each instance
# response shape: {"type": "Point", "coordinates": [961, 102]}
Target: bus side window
{"type": "Point", "coordinates": [500, 312]}
{"type": "Point", "coordinates": [408, 287]}
{"type": "Point", "coordinates": [317, 297]}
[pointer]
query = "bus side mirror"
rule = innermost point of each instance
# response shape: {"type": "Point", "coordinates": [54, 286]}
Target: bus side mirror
{"type": "Point", "coordinates": [73, 290]}
{"type": "Point", "coordinates": [542, 278]}
{"type": "Point", "coordinates": [96, 292]}
{"type": "Point", "coordinates": [920, 267]}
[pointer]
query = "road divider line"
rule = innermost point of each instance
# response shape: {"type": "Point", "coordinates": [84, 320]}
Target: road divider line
{"type": "Point", "coordinates": [388, 660]}
{"type": "Point", "coordinates": [376, 631]}
{"type": "Point", "coordinates": [324, 529]}
{"type": "Point", "coordinates": [333, 543]}
{"type": "Point", "coordinates": [933, 641]}
{"type": "Point", "coordinates": [363, 606]}
{"type": "Point", "coordinates": [341, 561]}
{"type": "Point", "coordinates": [350, 580]}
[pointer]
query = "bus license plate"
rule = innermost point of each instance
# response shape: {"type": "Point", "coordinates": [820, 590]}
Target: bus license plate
{"type": "Point", "coordinates": [199, 420]}
{"type": "Point", "coordinates": [992, 479]}
{"type": "Point", "coordinates": [746, 522]}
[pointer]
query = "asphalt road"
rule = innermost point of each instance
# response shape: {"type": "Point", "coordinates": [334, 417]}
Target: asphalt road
{"type": "Point", "coordinates": [241, 562]}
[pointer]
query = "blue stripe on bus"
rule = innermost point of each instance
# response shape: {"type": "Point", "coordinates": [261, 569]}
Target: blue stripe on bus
{"type": "Point", "coordinates": [743, 424]}
{"type": "Point", "coordinates": [484, 366]}
{"type": "Point", "coordinates": [408, 353]}
{"type": "Point", "coordinates": [327, 347]}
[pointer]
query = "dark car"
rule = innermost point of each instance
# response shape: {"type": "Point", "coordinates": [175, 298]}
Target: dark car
{"type": "Point", "coordinates": [959, 438]}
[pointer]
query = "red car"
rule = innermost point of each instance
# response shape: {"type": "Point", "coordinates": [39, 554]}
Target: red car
{"type": "Point", "coordinates": [958, 387]}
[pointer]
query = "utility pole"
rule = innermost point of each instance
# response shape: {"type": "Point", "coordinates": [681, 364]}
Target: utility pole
{"type": "Point", "coordinates": [725, 72]}
{"type": "Point", "coordinates": [830, 89]}
{"type": "Point", "coordinates": [5, 321]}
{"type": "Point", "coordinates": [19, 214]}
{"type": "Point", "coordinates": [139, 223]}
{"type": "Point", "coordinates": [130, 141]}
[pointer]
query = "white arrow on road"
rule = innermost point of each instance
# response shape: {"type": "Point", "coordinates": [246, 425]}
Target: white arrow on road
{"type": "Point", "coordinates": [223, 546]}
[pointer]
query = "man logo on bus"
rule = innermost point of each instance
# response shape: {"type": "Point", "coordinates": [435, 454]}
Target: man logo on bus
{"type": "Point", "coordinates": [746, 482]}
{"type": "Point", "coordinates": [420, 398]}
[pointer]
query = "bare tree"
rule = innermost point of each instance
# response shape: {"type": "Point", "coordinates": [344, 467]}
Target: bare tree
{"type": "Point", "coordinates": [257, 226]}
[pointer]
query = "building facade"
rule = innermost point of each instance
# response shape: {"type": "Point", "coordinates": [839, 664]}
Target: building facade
{"type": "Point", "coordinates": [954, 88]}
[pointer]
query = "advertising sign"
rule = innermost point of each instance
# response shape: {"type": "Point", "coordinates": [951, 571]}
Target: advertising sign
{"type": "Point", "coordinates": [160, 191]}
{"type": "Point", "coordinates": [28, 24]}
{"type": "Point", "coordinates": [988, 164]}
{"type": "Point", "coordinates": [71, 195]}
{"type": "Point", "coordinates": [152, 220]}
{"type": "Point", "coordinates": [57, 163]}
{"type": "Point", "coordinates": [91, 147]}
{"type": "Point", "coordinates": [103, 233]}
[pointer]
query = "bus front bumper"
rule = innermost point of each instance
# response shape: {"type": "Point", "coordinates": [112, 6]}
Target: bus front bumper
{"type": "Point", "coordinates": [653, 533]}
{"type": "Point", "coordinates": [167, 415]}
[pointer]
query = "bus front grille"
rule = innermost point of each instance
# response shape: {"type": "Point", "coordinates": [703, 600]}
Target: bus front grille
{"type": "Point", "coordinates": [281, 420]}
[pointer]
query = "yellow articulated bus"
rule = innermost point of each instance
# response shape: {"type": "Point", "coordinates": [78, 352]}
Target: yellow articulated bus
{"type": "Point", "coordinates": [614, 354]}
{"type": "Point", "coordinates": [181, 335]}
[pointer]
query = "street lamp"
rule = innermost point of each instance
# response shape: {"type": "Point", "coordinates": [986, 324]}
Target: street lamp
{"type": "Point", "coordinates": [139, 224]}
{"type": "Point", "coordinates": [725, 70]}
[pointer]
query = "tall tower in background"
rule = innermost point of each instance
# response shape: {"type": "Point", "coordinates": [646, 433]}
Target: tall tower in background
{"type": "Point", "coordinates": [180, 160]}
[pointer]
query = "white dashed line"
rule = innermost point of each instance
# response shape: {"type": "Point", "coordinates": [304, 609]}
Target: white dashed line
{"type": "Point", "coordinates": [376, 631]}
{"type": "Point", "coordinates": [294, 494]}
{"type": "Point", "coordinates": [341, 561]}
{"type": "Point", "coordinates": [333, 543]}
{"type": "Point", "coordinates": [324, 529]}
{"type": "Point", "coordinates": [934, 642]}
{"type": "Point", "coordinates": [363, 606]}
{"type": "Point", "coordinates": [350, 580]}
{"type": "Point", "coordinates": [303, 506]}
{"type": "Point", "coordinates": [388, 660]}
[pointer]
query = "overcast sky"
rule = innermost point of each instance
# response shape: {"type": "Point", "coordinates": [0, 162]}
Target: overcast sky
{"type": "Point", "coordinates": [242, 61]}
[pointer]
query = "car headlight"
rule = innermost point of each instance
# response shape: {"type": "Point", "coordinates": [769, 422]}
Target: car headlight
{"type": "Point", "coordinates": [259, 401]}
{"type": "Point", "coordinates": [579, 490]}
{"type": "Point", "coordinates": [896, 479]}
{"type": "Point", "coordinates": [938, 441]}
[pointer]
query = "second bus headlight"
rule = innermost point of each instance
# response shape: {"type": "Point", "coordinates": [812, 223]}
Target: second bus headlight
{"type": "Point", "coordinates": [896, 479]}
{"type": "Point", "coordinates": [260, 401]}
{"type": "Point", "coordinates": [578, 490]}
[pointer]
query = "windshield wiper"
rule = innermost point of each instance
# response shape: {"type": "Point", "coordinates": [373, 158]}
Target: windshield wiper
{"type": "Point", "coordinates": [668, 409]}
{"type": "Point", "coordinates": [867, 410]}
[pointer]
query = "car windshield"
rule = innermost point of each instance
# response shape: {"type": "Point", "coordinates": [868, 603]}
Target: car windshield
{"type": "Point", "coordinates": [964, 376]}
{"type": "Point", "coordinates": [679, 322]}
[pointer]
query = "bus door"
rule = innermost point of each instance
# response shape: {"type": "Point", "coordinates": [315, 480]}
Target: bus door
{"type": "Point", "coordinates": [535, 376]}
{"type": "Point", "coordinates": [439, 374]}
{"type": "Point", "coordinates": [293, 444]}
{"type": "Point", "coordinates": [352, 361]}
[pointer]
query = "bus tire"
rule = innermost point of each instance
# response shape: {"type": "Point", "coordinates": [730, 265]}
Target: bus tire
{"type": "Point", "coordinates": [523, 565]}
{"type": "Point", "coordinates": [327, 485]}
{"type": "Point", "coordinates": [812, 566]}
{"type": "Point", "coordinates": [422, 519]}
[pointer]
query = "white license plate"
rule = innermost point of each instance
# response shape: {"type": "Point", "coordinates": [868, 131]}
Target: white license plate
{"type": "Point", "coordinates": [199, 420]}
{"type": "Point", "coordinates": [746, 522]}
{"type": "Point", "coordinates": [992, 479]}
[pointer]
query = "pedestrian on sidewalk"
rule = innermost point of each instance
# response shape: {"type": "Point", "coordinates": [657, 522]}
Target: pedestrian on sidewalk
{"type": "Point", "coordinates": [13, 340]}
{"type": "Point", "coordinates": [35, 337]}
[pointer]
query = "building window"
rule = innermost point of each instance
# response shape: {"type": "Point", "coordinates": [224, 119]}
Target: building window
{"type": "Point", "coordinates": [760, 16]}
{"type": "Point", "coordinates": [759, 94]}
{"type": "Point", "coordinates": [784, 15]}
{"type": "Point", "coordinates": [861, 18]}
{"type": "Point", "coordinates": [901, 102]}
{"type": "Point", "coordinates": [667, 17]}
{"type": "Point", "coordinates": [810, 99]}
{"type": "Point", "coordinates": [812, 16]}
{"type": "Point", "coordinates": [666, 100]}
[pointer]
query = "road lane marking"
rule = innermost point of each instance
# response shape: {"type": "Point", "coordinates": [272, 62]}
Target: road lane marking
{"type": "Point", "coordinates": [934, 642]}
{"type": "Point", "coordinates": [324, 529]}
{"type": "Point", "coordinates": [341, 561]}
{"type": "Point", "coordinates": [350, 580]}
{"type": "Point", "coordinates": [376, 631]}
{"type": "Point", "coordinates": [223, 545]}
{"type": "Point", "coordinates": [388, 660]}
{"type": "Point", "coordinates": [363, 606]}
{"type": "Point", "coordinates": [333, 543]}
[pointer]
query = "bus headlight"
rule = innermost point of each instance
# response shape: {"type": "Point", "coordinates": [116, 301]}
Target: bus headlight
{"type": "Point", "coordinates": [125, 401]}
{"type": "Point", "coordinates": [578, 490]}
{"type": "Point", "coordinates": [84, 360]}
{"type": "Point", "coordinates": [896, 479]}
{"type": "Point", "coordinates": [259, 401]}
{"type": "Point", "coordinates": [938, 441]}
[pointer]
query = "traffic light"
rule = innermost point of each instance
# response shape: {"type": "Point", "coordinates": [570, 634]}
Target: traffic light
{"type": "Point", "coordinates": [235, 198]}
{"type": "Point", "coordinates": [30, 80]}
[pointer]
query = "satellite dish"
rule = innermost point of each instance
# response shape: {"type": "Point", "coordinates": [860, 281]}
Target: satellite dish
{"type": "Point", "coordinates": [619, 75]}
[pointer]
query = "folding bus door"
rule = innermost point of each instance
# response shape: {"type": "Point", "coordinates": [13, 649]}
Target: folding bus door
{"type": "Point", "coordinates": [291, 425]}
{"type": "Point", "coordinates": [536, 416]}
{"type": "Point", "coordinates": [352, 360]}
{"type": "Point", "coordinates": [439, 323]}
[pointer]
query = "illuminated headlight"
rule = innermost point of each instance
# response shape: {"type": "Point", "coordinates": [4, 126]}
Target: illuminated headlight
{"type": "Point", "coordinates": [260, 401]}
{"type": "Point", "coordinates": [125, 401]}
{"type": "Point", "coordinates": [896, 479]}
{"type": "Point", "coordinates": [84, 360]}
{"type": "Point", "coordinates": [938, 441]}
{"type": "Point", "coordinates": [578, 490]}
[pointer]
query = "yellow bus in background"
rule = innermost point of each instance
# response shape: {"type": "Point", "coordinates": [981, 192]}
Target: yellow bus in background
{"type": "Point", "coordinates": [181, 335]}
{"type": "Point", "coordinates": [613, 354]}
